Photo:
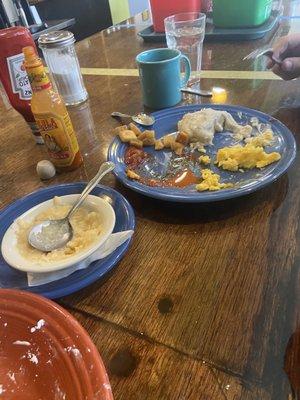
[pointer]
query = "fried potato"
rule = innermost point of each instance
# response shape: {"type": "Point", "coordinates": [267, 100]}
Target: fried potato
{"type": "Point", "coordinates": [127, 135]}
{"type": "Point", "coordinates": [132, 175]}
{"type": "Point", "coordinates": [158, 145]}
{"type": "Point", "coordinates": [182, 138]}
{"type": "Point", "coordinates": [149, 142]}
{"type": "Point", "coordinates": [135, 129]}
{"type": "Point", "coordinates": [118, 129]}
{"type": "Point", "coordinates": [136, 143]}
{"type": "Point", "coordinates": [147, 135]}
{"type": "Point", "coordinates": [168, 140]}
{"type": "Point", "coordinates": [148, 138]}
{"type": "Point", "coordinates": [177, 148]}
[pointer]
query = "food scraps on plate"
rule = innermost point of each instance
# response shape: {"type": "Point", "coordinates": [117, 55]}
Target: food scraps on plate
{"type": "Point", "coordinates": [196, 131]}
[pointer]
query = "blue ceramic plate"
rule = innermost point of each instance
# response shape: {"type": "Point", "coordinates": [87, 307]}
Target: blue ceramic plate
{"type": "Point", "coordinates": [245, 182]}
{"type": "Point", "coordinates": [125, 220]}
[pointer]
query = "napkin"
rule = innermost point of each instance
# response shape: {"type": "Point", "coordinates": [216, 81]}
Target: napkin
{"type": "Point", "coordinates": [111, 244]}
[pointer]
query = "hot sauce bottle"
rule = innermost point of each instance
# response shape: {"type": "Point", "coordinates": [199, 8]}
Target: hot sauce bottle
{"type": "Point", "coordinates": [51, 116]}
{"type": "Point", "coordinates": [13, 75]}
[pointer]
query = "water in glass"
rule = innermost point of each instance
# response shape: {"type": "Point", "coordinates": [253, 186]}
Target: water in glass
{"type": "Point", "coordinates": [189, 40]}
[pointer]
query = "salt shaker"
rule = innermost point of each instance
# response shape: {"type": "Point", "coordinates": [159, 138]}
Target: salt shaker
{"type": "Point", "coordinates": [61, 58]}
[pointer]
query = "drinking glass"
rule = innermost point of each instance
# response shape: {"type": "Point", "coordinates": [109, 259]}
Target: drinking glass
{"type": "Point", "coordinates": [185, 32]}
{"type": "Point", "coordinates": [83, 123]}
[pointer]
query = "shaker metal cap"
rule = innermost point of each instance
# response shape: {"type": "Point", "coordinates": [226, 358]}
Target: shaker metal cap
{"type": "Point", "coordinates": [56, 39]}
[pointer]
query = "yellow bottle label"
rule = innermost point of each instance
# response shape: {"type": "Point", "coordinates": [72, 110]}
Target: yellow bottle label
{"type": "Point", "coordinates": [59, 138]}
{"type": "Point", "coordinates": [38, 78]}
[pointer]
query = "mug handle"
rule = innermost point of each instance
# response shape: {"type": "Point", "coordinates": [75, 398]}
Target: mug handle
{"type": "Point", "coordinates": [187, 70]}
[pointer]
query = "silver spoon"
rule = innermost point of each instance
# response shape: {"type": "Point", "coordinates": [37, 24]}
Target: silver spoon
{"type": "Point", "coordinates": [142, 119]}
{"type": "Point", "coordinates": [53, 234]}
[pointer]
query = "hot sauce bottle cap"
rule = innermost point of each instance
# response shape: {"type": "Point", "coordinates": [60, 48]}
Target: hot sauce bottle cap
{"type": "Point", "coordinates": [36, 72]}
{"type": "Point", "coordinates": [31, 58]}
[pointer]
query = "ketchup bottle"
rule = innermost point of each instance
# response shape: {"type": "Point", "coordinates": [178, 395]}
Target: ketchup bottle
{"type": "Point", "coordinates": [13, 74]}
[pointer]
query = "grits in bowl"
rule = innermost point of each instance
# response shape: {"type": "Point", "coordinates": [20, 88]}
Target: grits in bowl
{"type": "Point", "coordinates": [86, 226]}
{"type": "Point", "coordinates": [92, 224]}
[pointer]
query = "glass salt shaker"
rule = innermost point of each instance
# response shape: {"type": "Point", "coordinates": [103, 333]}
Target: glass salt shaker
{"type": "Point", "coordinates": [61, 58]}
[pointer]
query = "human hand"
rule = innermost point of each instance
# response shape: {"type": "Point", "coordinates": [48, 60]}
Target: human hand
{"type": "Point", "coordinates": [287, 50]}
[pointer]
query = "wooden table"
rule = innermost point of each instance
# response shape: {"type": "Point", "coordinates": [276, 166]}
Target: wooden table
{"type": "Point", "coordinates": [205, 304]}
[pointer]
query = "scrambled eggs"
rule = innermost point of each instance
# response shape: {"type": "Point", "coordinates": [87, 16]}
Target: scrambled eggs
{"type": "Point", "coordinates": [204, 160]}
{"type": "Point", "coordinates": [211, 181]}
{"type": "Point", "coordinates": [249, 156]}
{"type": "Point", "coordinates": [265, 139]}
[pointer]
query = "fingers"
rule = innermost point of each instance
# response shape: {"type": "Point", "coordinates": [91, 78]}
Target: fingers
{"type": "Point", "coordinates": [277, 70]}
{"type": "Point", "coordinates": [280, 48]}
{"type": "Point", "coordinates": [294, 44]}
{"type": "Point", "coordinates": [288, 46]}
{"type": "Point", "coordinates": [288, 69]}
{"type": "Point", "coordinates": [270, 63]}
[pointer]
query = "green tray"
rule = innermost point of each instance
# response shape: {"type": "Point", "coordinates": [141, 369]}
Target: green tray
{"type": "Point", "coordinates": [213, 33]}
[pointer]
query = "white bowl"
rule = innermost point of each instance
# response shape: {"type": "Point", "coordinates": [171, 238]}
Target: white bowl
{"type": "Point", "coordinates": [13, 257]}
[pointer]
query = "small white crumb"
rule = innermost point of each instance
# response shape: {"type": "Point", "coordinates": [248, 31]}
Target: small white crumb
{"type": "Point", "coordinates": [59, 393]}
{"type": "Point", "coordinates": [73, 350]}
{"type": "Point", "coordinates": [203, 362]}
{"type": "Point", "coordinates": [5, 324]}
{"type": "Point", "coordinates": [33, 358]}
{"type": "Point", "coordinates": [22, 369]}
{"type": "Point", "coordinates": [254, 121]}
{"type": "Point", "coordinates": [11, 376]}
{"type": "Point", "coordinates": [227, 387]}
{"type": "Point", "coordinates": [1, 389]}
{"type": "Point", "coordinates": [89, 350]}
{"type": "Point", "coordinates": [38, 325]}
{"type": "Point", "coordinates": [141, 333]}
{"type": "Point", "coordinates": [107, 386]}
{"type": "Point", "coordinates": [22, 343]}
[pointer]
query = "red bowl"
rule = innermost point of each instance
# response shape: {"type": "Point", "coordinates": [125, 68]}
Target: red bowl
{"type": "Point", "coordinates": [45, 353]}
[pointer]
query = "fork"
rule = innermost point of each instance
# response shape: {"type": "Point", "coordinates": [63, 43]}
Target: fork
{"type": "Point", "coordinates": [261, 52]}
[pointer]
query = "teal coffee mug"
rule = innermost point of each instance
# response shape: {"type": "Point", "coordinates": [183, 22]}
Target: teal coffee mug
{"type": "Point", "coordinates": [160, 76]}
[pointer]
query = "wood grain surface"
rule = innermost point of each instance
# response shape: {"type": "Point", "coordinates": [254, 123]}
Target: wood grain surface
{"type": "Point", "coordinates": [141, 369]}
{"type": "Point", "coordinates": [205, 304]}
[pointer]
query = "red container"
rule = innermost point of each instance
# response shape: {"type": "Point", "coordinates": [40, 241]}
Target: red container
{"type": "Point", "coordinates": [46, 353]}
{"type": "Point", "coordinates": [13, 75]}
{"type": "Point", "coordinates": [162, 9]}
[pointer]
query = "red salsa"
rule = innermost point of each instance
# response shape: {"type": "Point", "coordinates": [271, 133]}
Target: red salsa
{"type": "Point", "coordinates": [134, 157]}
{"type": "Point", "coordinates": [181, 180]}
